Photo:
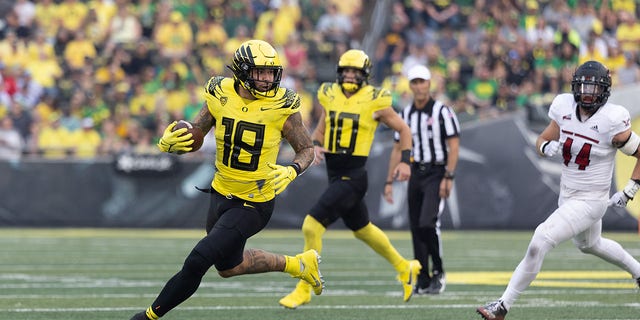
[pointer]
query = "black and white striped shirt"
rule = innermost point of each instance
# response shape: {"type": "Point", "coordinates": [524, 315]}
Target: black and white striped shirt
{"type": "Point", "coordinates": [430, 127]}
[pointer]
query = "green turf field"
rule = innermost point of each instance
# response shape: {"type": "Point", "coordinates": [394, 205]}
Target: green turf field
{"type": "Point", "coordinates": [111, 274]}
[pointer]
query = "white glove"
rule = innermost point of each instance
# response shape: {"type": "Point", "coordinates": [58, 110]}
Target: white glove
{"type": "Point", "coordinates": [550, 148]}
{"type": "Point", "coordinates": [620, 198]}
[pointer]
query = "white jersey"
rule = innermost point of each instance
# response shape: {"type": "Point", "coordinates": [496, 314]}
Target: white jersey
{"type": "Point", "coordinates": [587, 151]}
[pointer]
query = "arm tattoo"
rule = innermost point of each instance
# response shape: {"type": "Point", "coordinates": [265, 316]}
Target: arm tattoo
{"type": "Point", "coordinates": [204, 120]}
{"type": "Point", "coordinates": [298, 137]}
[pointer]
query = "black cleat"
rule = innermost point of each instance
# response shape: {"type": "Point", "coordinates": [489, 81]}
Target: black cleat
{"type": "Point", "coordinates": [492, 311]}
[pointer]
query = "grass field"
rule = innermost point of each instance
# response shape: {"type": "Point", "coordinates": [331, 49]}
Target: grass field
{"type": "Point", "coordinates": [111, 274]}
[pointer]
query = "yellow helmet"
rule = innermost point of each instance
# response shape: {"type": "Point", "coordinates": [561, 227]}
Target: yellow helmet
{"type": "Point", "coordinates": [356, 59]}
{"type": "Point", "coordinates": [256, 54]}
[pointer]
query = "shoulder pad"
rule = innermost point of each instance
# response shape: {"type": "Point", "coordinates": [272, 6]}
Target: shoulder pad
{"type": "Point", "coordinates": [214, 85]}
{"type": "Point", "coordinates": [291, 99]}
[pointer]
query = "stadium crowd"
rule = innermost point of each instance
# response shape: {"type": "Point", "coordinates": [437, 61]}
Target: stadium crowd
{"type": "Point", "coordinates": [89, 78]}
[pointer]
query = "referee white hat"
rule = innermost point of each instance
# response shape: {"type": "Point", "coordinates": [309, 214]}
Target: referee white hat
{"type": "Point", "coordinates": [419, 72]}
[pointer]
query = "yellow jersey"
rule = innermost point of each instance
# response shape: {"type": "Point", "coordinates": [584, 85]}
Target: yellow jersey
{"type": "Point", "coordinates": [248, 135]}
{"type": "Point", "coordinates": [349, 122]}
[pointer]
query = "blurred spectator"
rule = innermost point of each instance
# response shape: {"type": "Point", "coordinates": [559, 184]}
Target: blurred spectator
{"type": "Point", "coordinates": [47, 18]}
{"type": "Point", "coordinates": [442, 13]}
{"type": "Point", "coordinates": [211, 33]}
{"type": "Point", "coordinates": [86, 140]}
{"type": "Point", "coordinates": [419, 34]}
{"type": "Point", "coordinates": [79, 51]}
{"type": "Point", "coordinates": [389, 50]}
{"type": "Point", "coordinates": [54, 140]}
{"type": "Point", "coordinates": [21, 118]}
{"type": "Point", "coordinates": [123, 30]}
{"type": "Point", "coordinates": [334, 26]}
{"type": "Point", "coordinates": [174, 38]}
{"type": "Point", "coordinates": [146, 12]}
{"type": "Point", "coordinates": [28, 90]}
{"type": "Point", "coordinates": [25, 12]}
{"type": "Point", "coordinates": [71, 14]}
{"type": "Point", "coordinates": [112, 143]}
{"type": "Point", "coordinates": [13, 51]}
{"type": "Point", "coordinates": [11, 142]}
{"type": "Point", "coordinates": [295, 55]}
{"type": "Point", "coordinates": [540, 34]}
{"type": "Point", "coordinates": [628, 32]}
{"type": "Point", "coordinates": [470, 38]}
{"type": "Point", "coordinates": [583, 18]}
{"type": "Point", "coordinates": [482, 90]}
{"type": "Point", "coordinates": [556, 11]}
{"type": "Point", "coordinates": [398, 84]}
{"type": "Point", "coordinates": [629, 73]}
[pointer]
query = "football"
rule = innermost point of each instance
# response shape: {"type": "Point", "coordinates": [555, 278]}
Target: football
{"type": "Point", "coordinates": [197, 134]}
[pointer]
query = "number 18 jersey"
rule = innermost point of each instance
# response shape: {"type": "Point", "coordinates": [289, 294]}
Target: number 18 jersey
{"type": "Point", "coordinates": [248, 136]}
{"type": "Point", "coordinates": [587, 152]}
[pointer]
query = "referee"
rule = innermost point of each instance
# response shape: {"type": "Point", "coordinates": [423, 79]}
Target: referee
{"type": "Point", "coordinates": [435, 130]}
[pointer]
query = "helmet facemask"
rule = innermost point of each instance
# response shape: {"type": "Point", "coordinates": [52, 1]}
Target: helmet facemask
{"type": "Point", "coordinates": [591, 85]}
{"type": "Point", "coordinates": [253, 57]}
{"type": "Point", "coordinates": [357, 60]}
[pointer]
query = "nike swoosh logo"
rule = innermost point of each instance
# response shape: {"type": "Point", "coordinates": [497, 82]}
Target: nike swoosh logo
{"type": "Point", "coordinates": [410, 276]}
{"type": "Point", "coordinates": [248, 205]}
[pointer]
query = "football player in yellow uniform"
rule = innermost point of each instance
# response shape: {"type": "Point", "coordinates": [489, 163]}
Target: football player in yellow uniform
{"type": "Point", "coordinates": [352, 110]}
{"type": "Point", "coordinates": [249, 115]}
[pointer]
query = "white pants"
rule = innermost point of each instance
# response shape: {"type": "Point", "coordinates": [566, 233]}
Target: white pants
{"type": "Point", "coordinates": [577, 218]}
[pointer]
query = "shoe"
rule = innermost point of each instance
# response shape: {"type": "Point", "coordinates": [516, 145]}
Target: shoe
{"type": "Point", "coordinates": [299, 296]}
{"type": "Point", "coordinates": [140, 316]}
{"type": "Point", "coordinates": [310, 270]}
{"type": "Point", "coordinates": [493, 311]}
{"type": "Point", "coordinates": [422, 285]}
{"type": "Point", "coordinates": [437, 285]}
{"type": "Point", "coordinates": [408, 278]}
{"type": "Point", "coordinates": [638, 282]}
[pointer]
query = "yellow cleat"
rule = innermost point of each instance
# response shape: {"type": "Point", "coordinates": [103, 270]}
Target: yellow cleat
{"type": "Point", "coordinates": [310, 273]}
{"type": "Point", "coordinates": [408, 278]}
{"type": "Point", "coordinates": [299, 296]}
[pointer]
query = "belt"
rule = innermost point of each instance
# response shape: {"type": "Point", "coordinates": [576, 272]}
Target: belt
{"type": "Point", "coordinates": [424, 166]}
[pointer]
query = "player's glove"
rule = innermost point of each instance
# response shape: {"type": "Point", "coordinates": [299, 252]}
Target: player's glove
{"type": "Point", "coordinates": [281, 176]}
{"type": "Point", "coordinates": [550, 148]}
{"type": "Point", "coordinates": [620, 198]}
{"type": "Point", "coordinates": [174, 141]}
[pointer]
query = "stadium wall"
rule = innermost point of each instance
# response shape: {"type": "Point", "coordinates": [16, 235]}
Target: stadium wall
{"type": "Point", "coordinates": [500, 184]}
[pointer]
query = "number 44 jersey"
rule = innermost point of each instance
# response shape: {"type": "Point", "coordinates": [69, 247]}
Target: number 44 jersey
{"type": "Point", "coordinates": [587, 152]}
{"type": "Point", "coordinates": [248, 136]}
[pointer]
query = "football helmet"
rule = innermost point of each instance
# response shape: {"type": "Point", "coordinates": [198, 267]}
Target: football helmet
{"type": "Point", "coordinates": [256, 54]}
{"type": "Point", "coordinates": [591, 85]}
{"type": "Point", "coordinates": [358, 60]}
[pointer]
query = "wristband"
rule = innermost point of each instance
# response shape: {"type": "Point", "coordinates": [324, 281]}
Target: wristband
{"type": "Point", "coordinates": [317, 143]}
{"type": "Point", "coordinates": [449, 175]}
{"type": "Point", "coordinates": [631, 188]}
{"type": "Point", "coordinates": [544, 145]}
{"type": "Point", "coordinates": [388, 182]}
{"type": "Point", "coordinates": [405, 156]}
{"type": "Point", "coordinates": [296, 167]}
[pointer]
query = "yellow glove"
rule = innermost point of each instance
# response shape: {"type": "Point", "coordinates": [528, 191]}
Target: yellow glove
{"type": "Point", "coordinates": [173, 142]}
{"type": "Point", "coordinates": [281, 176]}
